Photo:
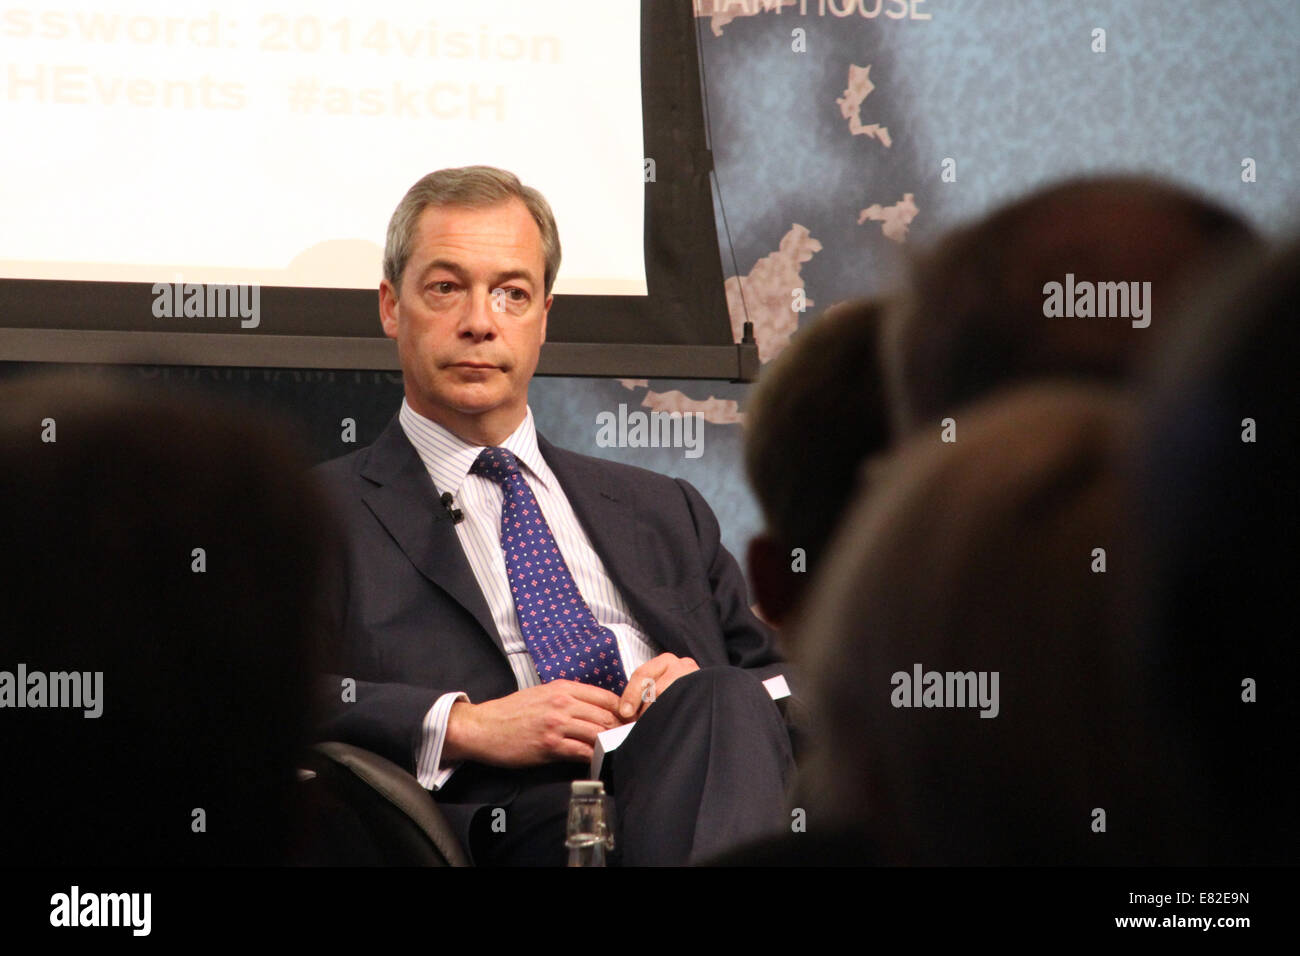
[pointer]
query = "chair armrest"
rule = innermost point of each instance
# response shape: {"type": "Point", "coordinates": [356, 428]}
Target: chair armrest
{"type": "Point", "coordinates": [399, 788]}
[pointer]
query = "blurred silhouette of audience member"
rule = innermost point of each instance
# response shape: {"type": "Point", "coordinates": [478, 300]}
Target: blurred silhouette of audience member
{"type": "Point", "coordinates": [979, 560]}
{"type": "Point", "coordinates": [171, 546]}
{"type": "Point", "coordinates": [816, 414]}
{"type": "Point", "coordinates": [974, 318]}
{"type": "Point", "coordinates": [1217, 469]}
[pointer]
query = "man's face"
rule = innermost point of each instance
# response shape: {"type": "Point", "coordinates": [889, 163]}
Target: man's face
{"type": "Point", "coordinates": [470, 317]}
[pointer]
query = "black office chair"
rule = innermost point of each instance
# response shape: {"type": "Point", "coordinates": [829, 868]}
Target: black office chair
{"type": "Point", "coordinates": [365, 810]}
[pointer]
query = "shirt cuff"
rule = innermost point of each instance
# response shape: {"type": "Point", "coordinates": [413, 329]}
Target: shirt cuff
{"type": "Point", "coordinates": [429, 769]}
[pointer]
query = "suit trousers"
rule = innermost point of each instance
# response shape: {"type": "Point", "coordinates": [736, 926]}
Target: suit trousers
{"type": "Point", "coordinates": [705, 770]}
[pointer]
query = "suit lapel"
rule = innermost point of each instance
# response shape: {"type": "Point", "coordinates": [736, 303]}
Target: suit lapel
{"type": "Point", "coordinates": [406, 503]}
{"type": "Point", "coordinates": [607, 512]}
{"type": "Point", "coordinates": [603, 509]}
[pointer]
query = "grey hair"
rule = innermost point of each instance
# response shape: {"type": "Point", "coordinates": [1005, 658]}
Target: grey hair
{"type": "Point", "coordinates": [471, 187]}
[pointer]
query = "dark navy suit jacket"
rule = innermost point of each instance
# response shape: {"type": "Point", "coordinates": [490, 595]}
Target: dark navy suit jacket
{"type": "Point", "coordinates": [404, 616]}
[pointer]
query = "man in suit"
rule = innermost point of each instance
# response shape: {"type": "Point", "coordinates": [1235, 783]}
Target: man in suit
{"type": "Point", "coordinates": [499, 601]}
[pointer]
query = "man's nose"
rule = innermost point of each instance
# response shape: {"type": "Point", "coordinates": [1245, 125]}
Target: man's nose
{"type": "Point", "coordinates": [479, 320]}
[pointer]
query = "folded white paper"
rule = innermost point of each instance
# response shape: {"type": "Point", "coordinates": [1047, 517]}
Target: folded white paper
{"type": "Point", "coordinates": [609, 740]}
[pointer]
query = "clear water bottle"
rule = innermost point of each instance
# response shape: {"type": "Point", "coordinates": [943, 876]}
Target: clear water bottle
{"type": "Point", "coordinates": [590, 834]}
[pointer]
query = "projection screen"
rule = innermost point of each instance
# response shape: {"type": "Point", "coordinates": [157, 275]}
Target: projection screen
{"type": "Point", "coordinates": [161, 148]}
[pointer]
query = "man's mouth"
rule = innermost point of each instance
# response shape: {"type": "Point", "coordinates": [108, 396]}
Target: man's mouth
{"type": "Point", "coordinates": [478, 365]}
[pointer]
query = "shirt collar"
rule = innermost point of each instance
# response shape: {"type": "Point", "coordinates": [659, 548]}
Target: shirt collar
{"type": "Point", "coordinates": [448, 457]}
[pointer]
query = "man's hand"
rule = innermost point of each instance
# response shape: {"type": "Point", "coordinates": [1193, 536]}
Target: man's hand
{"type": "Point", "coordinates": [554, 721]}
{"type": "Point", "coordinates": [663, 670]}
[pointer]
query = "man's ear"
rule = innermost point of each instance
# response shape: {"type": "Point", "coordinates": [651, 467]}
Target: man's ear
{"type": "Point", "coordinates": [777, 588]}
{"type": "Point", "coordinates": [388, 308]}
{"type": "Point", "coordinates": [546, 311]}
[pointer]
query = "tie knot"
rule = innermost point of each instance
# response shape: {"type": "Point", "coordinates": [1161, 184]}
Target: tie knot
{"type": "Point", "coordinates": [498, 464]}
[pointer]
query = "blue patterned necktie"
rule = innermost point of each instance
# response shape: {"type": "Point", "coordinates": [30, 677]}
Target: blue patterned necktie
{"type": "Point", "coordinates": [563, 637]}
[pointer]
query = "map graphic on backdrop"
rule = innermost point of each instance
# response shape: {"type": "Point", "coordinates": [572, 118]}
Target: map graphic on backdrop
{"type": "Point", "coordinates": [773, 293]}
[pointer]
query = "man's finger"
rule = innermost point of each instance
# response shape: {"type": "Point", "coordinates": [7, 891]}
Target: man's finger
{"type": "Point", "coordinates": [652, 669]}
{"type": "Point", "coordinates": [584, 730]}
{"type": "Point", "coordinates": [675, 671]}
{"type": "Point", "coordinates": [591, 694]}
{"type": "Point", "coordinates": [680, 668]}
{"type": "Point", "coordinates": [574, 750]}
{"type": "Point", "coordinates": [605, 719]}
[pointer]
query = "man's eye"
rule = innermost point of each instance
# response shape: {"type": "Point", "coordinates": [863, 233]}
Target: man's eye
{"type": "Point", "coordinates": [516, 295]}
{"type": "Point", "coordinates": [442, 288]}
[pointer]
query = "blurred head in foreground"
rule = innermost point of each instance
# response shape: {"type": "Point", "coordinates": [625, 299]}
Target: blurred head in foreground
{"type": "Point", "coordinates": [1080, 280]}
{"type": "Point", "coordinates": [978, 683]}
{"type": "Point", "coordinates": [159, 564]}
{"type": "Point", "coordinates": [817, 413]}
{"type": "Point", "coordinates": [1218, 455]}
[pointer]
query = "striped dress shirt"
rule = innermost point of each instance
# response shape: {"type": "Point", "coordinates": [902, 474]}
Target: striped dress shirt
{"type": "Point", "coordinates": [448, 459]}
